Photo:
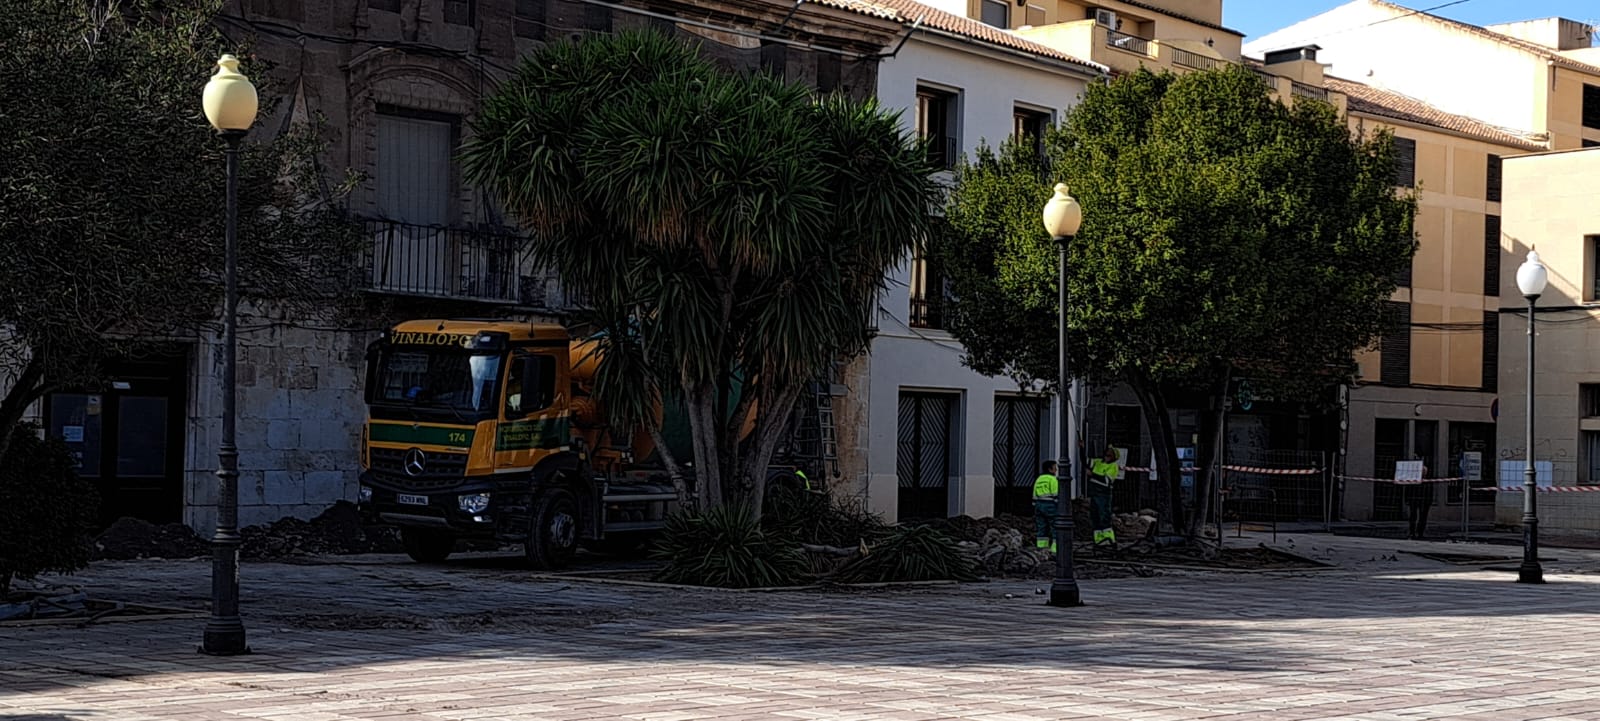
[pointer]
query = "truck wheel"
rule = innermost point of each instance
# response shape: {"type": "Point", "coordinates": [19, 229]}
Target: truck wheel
{"type": "Point", "coordinates": [553, 535]}
{"type": "Point", "coordinates": [424, 546]}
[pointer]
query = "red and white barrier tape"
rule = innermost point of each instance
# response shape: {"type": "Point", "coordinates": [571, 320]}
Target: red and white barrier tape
{"type": "Point", "coordinates": [1401, 483]}
{"type": "Point", "coordinates": [1274, 471]}
{"type": "Point", "coordinates": [1549, 489]}
{"type": "Point", "coordinates": [1245, 469]}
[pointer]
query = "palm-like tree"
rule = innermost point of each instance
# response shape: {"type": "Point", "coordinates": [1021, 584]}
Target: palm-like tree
{"type": "Point", "coordinates": [729, 231]}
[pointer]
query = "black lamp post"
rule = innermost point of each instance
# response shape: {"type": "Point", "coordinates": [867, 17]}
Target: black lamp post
{"type": "Point", "coordinates": [1531, 280]}
{"type": "Point", "coordinates": [230, 104]}
{"type": "Point", "coordinates": [1062, 217]}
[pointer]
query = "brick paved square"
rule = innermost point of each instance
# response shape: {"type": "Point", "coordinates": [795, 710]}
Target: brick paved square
{"type": "Point", "coordinates": [1396, 640]}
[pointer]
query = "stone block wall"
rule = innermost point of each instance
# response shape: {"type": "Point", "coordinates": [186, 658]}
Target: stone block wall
{"type": "Point", "coordinates": [300, 413]}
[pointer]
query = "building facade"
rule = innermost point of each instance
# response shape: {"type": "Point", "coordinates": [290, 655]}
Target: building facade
{"type": "Point", "coordinates": [942, 440]}
{"type": "Point", "coordinates": [1432, 392]}
{"type": "Point", "coordinates": [396, 83]}
{"type": "Point", "coordinates": [1550, 206]}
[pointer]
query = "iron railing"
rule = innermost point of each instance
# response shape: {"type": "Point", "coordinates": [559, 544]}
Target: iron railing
{"type": "Point", "coordinates": [1266, 77]}
{"type": "Point", "coordinates": [1130, 43]}
{"type": "Point", "coordinates": [439, 261]}
{"type": "Point", "coordinates": [1309, 91]}
{"type": "Point", "coordinates": [927, 312]}
{"type": "Point", "coordinates": [1195, 60]}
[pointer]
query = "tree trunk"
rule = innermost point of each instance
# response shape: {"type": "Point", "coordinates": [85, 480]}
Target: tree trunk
{"type": "Point", "coordinates": [697, 401]}
{"type": "Point", "coordinates": [28, 388]}
{"type": "Point", "coordinates": [686, 497]}
{"type": "Point", "coordinates": [1208, 460]}
{"type": "Point", "coordinates": [771, 424]}
{"type": "Point", "coordinates": [731, 436]}
{"type": "Point", "coordinates": [1158, 422]}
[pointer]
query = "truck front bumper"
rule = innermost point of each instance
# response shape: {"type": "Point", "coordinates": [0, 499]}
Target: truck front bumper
{"type": "Point", "coordinates": [466, 510]}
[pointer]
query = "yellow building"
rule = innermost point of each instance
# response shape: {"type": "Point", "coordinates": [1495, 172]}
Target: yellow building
{"type": "Point", "coordinates": [1460, 98]}
{"type": "Point", "coordinates": [1428, 391]}
{"type": "Point", "coordinates": [1550, 203]}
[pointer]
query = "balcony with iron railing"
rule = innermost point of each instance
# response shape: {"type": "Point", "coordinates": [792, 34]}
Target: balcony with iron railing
{"type": "Point", "coordinates": [1130, 43]}
{"type": "Point", "coordinates": [1194, 60]}
{"type": "Point", "coordinates": [465, 263]}
{"type": "Point", "coordinates": [927, 312]}
{"type": "Point", "coordinates": [1302, 90]}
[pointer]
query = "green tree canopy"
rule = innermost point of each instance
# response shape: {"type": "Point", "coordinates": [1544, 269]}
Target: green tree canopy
{"type": "Point", "coordinates": [1224, 234]}
{"type": "Point", "coordinates": [726, 229]}
{"type": "Point", "coordinates": [111, 193]}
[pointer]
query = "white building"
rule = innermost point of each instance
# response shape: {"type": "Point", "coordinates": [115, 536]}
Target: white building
{"type": "Point", "coordinates": [940, 439]}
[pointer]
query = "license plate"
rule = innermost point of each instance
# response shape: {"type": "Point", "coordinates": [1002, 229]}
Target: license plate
{"type": "Point", "coordinates": [411, 500]}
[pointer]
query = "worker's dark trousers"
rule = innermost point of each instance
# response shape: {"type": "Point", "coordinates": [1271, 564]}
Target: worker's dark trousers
{"type": "Point", "coordinates": [1044, 519]}
{"type": "Point", "coordinates": [1100, 506]}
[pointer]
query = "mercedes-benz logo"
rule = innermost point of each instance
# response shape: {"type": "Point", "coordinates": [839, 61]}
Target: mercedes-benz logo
{"type": "Point", "coordinates": [415, 462]}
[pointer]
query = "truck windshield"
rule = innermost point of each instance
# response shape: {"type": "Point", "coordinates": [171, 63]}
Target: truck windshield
{"type": "Point", "coordinates": [437, 378]}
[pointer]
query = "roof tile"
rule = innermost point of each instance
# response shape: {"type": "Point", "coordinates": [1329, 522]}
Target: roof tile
{"type": "Point", "coordinates": [909, 10]}
{"type": "Point", "coordinates": [1367, 100]}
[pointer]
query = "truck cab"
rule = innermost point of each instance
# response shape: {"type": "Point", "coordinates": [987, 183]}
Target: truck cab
{"type": "Point", "coordinates": [486, 430]}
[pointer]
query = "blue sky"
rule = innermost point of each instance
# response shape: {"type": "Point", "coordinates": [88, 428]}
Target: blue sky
{"type": "Point", "coordinates": [1259, 17]}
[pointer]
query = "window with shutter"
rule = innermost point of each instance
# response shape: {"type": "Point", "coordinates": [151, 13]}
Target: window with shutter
{"type": "Point", "coordinates": [997, 13]}
{"type": "Point", "coordinates": [936, 123]}
{"type": "Point", "coordinates": [1395, 348]}
{"type": "Point", "coordinates": [1492, 187]}
{"type": "Point", "coordinates": [1491, 255]}
{"type": "Point", "coordinates": [1029, 126]}
{"type": "Point", "coordinates": [1405, 162]}
{"type": "Point", "coordinates": [1491, 351]}
{"type": "Point", "coordinates": [1591, 106]}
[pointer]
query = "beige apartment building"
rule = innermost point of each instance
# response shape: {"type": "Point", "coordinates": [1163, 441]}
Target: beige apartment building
{"type": "Point", "coordinates": [1468, 97]}
{"type": "Point", "coordinates": [1550, 205]}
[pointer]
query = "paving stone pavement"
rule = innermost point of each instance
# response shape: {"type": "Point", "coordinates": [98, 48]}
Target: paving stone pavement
{"type": "Point", "coordinates": [1389, 637]}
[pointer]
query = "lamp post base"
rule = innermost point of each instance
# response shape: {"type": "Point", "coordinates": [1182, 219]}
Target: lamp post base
{"type": "Point", "coordinates": [1065, 595]}
{"type": "Point", "coordinates": [1530, 573]}
{"type": "Point", "coordinates": [224, 637]}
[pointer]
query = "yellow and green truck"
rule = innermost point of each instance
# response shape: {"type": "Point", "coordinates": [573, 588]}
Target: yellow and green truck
{"type": "Point", "coordinates": [488, 430]}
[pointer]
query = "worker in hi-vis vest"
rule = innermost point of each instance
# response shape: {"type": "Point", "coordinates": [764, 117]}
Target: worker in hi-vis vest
{"type": "Point", "coordinates": [1045, 488]}
{"type": "Point", "coordinates": [1102, 474]}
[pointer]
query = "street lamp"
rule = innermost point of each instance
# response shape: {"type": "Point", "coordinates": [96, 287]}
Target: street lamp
{"type": "Point", "coordinates": [1531, 280]}
{"type": "Point", "coordinates": [230, 104]}
{"type": "Point", "coordinates": [1062, 216]}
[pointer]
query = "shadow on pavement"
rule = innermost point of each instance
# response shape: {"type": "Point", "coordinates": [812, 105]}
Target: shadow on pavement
{"type": "Point", "coordinates": [318, 617]}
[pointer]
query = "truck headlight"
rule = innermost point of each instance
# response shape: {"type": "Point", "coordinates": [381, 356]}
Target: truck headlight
{"type": "Point", "coordinates": [366, 494]}
{"type": "Point", "coordinates": [474, 502]}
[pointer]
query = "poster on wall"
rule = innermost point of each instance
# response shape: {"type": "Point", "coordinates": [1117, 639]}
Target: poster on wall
{"type": "Point", "coordinates": [1408, 471]}
{"type": "Point", "coordinates": [1511, 473]}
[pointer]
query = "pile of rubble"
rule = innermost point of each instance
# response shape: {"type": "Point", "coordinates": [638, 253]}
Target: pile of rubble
{"type": "Point", "coordinates": [339, 530]}
{"type": "Point", "coordinates": [1131, 527]}
{"type": "Point", "coordinates": [130, 538]}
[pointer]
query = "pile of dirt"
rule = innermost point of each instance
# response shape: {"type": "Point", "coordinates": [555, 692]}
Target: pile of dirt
{"type": "Point", "coordinates": [967, 528]}
{"type": "Point", "coordinates": [338, 530]}
{"type": "Point", "coordinates": [130, 538]}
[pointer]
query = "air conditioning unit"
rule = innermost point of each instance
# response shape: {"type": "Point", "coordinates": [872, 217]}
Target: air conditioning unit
{"type": "Point", "coordinates": [1105, 17]}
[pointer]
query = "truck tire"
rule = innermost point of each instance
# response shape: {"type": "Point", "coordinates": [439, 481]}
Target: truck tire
{"type": "Point", "coordinates": [425, 546]}
{"type": "Point", "coordinates": [553, 530]}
